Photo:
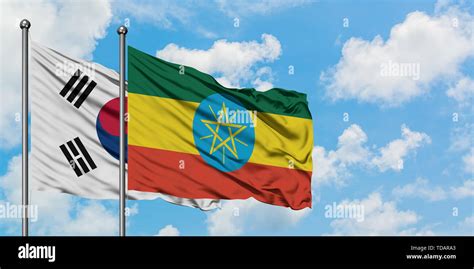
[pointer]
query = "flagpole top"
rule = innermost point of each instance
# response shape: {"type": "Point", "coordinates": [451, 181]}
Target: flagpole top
{"type": "Point", "coordinates": [122, 30]}
{"type": "Point", "coordinates": [25, 24]}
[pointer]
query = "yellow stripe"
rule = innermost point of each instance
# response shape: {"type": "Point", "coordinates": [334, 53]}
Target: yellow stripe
{"type": "Point", "coordinates": [165, 123]}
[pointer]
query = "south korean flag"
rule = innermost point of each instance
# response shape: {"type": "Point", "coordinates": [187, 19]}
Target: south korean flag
{"type": "Point", "coordinates": [75, 129]}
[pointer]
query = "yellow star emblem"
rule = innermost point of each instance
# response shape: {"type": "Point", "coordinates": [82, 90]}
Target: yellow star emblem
{"type": "Point", "coordinates": [223, 122]}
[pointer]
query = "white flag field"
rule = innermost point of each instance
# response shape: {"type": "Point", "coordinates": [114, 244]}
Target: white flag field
{"type": "Point", "coordinates": [75, 129]}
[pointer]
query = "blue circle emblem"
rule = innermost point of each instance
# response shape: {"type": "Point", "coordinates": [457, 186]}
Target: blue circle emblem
{"type": "Point", "coordinates": [224, 132]}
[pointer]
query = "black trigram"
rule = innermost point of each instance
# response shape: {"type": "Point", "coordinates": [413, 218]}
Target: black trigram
{"type": "Point", "coordinates": [75, 92]}
{"type": "Point", "coordinates": [78, 152]}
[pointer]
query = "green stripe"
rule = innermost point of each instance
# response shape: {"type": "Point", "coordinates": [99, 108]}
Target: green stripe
{"type": "Point", "coordinates": [149, 75]}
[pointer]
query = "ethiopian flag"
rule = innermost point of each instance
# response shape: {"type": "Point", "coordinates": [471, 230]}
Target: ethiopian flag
{"type": "Point", "coordinates": [190, 137]}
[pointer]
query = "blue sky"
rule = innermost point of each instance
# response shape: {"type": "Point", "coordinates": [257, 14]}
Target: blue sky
{"type": "Point", "coordinates": [400, 154]}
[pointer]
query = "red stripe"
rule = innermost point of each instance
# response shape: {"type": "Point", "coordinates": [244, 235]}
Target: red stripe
{"type": "Point", "coordinates": [155, 170]}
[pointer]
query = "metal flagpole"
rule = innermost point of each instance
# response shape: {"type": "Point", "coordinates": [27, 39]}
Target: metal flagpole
{"type": "Point", "coordinates": [25, 26]}
{"type": "Point", "coordinates": [122, 31]}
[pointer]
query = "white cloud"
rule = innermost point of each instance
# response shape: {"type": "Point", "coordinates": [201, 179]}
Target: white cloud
{"type": "Point", "coordinates": [423, 231]}
{"type": "Point", "coordinates": [10, 115]}
{"type": "Point", "coordinates": [327, 168]}
{"type": "Point", "coordinates": [462, 91]}
{"type": "Point", "coordinates": [468, 161]}
{"type": "Point", "coordinates": [160, 13]}
{"type": "Point", "coordinates": [466, 190]}
{"type": "Point", "coordinates": [261, 85]}
{"type": "Point", "coordinates": [237, 217]}
{"type": "Point", "coordinates": [264, 79]}
{"type": "Point", "coordinates": [461, 137]}
{"type": "Point", "coordinates": [168, 230]}
{"type": "Point", "coordinates": [262, 7]}
{"type": "Point", "coordinates": [58, 214]}
{"type": "Point", "coordinates": [70, 27]}
{"type": "Point", "coordinates": [461, 141]}
{"type": "Point", "coordinates": [232, 62]}
{"type": "Point", "coordinates": [420, 188]}
{"type": "Point", "coordinates": [170, 14]}
{"type": "Point", "coordinates": [367, 70]}
{"type": "Point", "coordinates": [333, 166]}
{"type": "Point", "coordinates": [442, 5]}
{"type": "Point", "coordinates": [391, 156]}
{"type": "Point", "coordinates": [91, 219]}
{"type": "Point", "coordinates": [350, 145]}
{"type": "Point", "coordinates": [381, 218]}
{"type": "Point", "coordinates": [423, 189]}
{"type": "Point", "coordinates": [132, 210]}
{"type": "Point", "coordinates": [205, 32]}
{"type": "Point", "coordinates": [166, 14]}
{"type": "Point", "coordinates": [466, 226]}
